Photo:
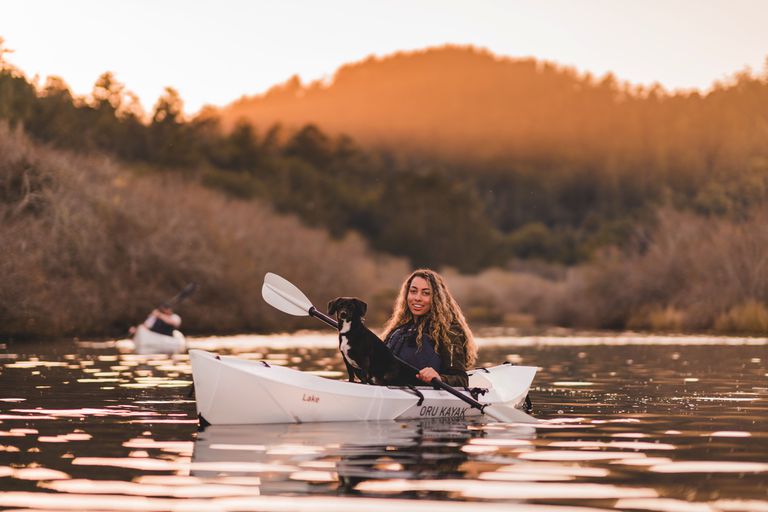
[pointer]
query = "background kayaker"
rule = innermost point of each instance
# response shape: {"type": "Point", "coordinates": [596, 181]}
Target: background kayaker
{"type": "Point", "coordinates": [428, 330]}
{"type": "Point", "coordinates": [162, 320]}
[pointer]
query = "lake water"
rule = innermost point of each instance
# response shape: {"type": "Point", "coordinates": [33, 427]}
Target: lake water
{"type": "Point", "coordinates": [628, 423]}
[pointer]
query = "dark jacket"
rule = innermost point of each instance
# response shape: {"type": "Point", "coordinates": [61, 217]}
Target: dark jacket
{"type": "Point", "coordinates": [161, 327]}
{"type": "Point", "coordinates": [448, 360]}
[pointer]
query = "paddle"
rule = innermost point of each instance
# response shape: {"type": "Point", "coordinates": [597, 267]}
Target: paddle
{"type": "Point", "coordinates": [183, 294]}
{"type": "Point", "coordinates": [283, 295]}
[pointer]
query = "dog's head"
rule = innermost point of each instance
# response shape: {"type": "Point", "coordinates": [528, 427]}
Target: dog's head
{"type": "Point", "coordinates": [347, 308]}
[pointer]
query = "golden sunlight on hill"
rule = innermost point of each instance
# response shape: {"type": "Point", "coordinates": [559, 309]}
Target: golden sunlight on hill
{"type": "Point", "coordinates": [456, 99]}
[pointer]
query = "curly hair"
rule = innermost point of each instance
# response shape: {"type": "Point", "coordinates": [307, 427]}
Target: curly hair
{"type": "Point", "coordinates": [444, 314]}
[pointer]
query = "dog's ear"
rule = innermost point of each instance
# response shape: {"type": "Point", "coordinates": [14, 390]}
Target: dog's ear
{"type": "Point", "coordinates": [361, 307]}
{"type": "Point", "coordinates": [332, 306]}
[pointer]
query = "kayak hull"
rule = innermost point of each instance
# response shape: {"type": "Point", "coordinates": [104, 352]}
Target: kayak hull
{"type": "Point", "coordinates": [232, 391]}
{"type": "Point", "coordinates": [150, 342]}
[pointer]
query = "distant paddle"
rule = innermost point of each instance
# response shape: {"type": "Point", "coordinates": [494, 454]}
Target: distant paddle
{"type": "Point", "coordinates": [285, 296]}
{"type": "Point", "coordinates": [182, 295]}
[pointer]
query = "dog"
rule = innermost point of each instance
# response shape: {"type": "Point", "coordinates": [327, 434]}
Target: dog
{"type": "Point", "coordinates": [364, 354]}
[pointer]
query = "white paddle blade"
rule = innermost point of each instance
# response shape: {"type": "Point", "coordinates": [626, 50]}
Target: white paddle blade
{"type": "Point", "coordinates": [283, 295]}
{"type": "Point", "coordinates": [509, 415]}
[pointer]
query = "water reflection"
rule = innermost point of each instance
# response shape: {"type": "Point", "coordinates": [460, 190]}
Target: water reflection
{"type": "Point", "coordinates": [86, 426]}
{"type": "Point", "coordinates": [341, 456]}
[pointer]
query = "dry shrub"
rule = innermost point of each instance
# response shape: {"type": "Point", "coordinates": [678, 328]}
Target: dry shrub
{"type": "Point", "coordinates": [498, 296]}
{"type": "Point", "coordinates": [687, 273]}
{"type": "Point", "coordinates": [667, 319]}
{"type": "Point", "coordinates": [107, 245]}
{"type": "Point", "coordinates": [685, 276]}
{"type": "Point", "coordinates": [750, 317]}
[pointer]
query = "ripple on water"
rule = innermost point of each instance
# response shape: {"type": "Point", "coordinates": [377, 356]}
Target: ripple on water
{"type": "Point", "coordinates": [630, 445]}
{"type": "Point", "coordinates": [199, 489]}
{"type": "Point", "coordinates": [263, 503]}
{"type": "Point", "coordinates": [37, 473]}
{"type": "Point", "coordinates": [578, 455]}
{"type": "Point", "coordinates": [182, 465]}
{"type": "Point", "coordinates": [542, 472]}
{"type": "Point", "coordinates": [178, 447]}
{"type": "Point", "coordinates": [673, 505]}
{"type": "Point", "coordinates": [706, 466]}
{"type": "Point", "coordinates": [509, 490]}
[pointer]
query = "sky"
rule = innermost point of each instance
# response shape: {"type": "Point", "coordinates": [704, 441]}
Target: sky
{"type": "Point", "coordinates": [214, 52]}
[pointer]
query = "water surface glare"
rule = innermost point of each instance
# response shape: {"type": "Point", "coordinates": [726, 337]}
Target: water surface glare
{"type": "Point", "coordinates": [647, 424]}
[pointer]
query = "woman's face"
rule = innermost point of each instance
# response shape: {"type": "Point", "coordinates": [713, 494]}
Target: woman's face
{"type": "Point", "coordinates": [419, 296]}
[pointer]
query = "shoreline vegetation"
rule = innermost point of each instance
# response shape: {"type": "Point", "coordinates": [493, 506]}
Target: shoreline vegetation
{"type": "Point", "coordinates": [90, 244]}
{"type": "Point", "coordinates": [105, 212]}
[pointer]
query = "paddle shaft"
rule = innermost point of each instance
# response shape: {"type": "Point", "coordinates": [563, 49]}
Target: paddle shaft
{"type": "Point", "coordinates": [435, 382]}
{"type": "Point", "coordinates": [183, 294]}
{"type": "Point", "coordinates": [313, 311]}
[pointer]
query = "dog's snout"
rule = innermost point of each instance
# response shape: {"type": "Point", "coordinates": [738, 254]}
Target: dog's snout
{"type": "Point", "coordinates": [343, 314]}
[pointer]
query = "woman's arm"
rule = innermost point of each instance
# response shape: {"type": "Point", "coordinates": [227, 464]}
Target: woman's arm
{"type": "Point", "coordinates": [171, 319]}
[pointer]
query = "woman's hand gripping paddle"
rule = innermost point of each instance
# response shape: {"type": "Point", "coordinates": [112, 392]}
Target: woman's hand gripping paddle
{"type": "Point", "coordinates": [285, 296]}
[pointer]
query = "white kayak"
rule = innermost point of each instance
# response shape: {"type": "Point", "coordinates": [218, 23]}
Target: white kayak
{"type": "Point", "coordinates": [233, 391]}
{"type": "Point", "coordinates": [150, 342]}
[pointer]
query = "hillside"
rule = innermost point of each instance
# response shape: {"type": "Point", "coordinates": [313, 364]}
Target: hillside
{"type": "Point", "coordinates": [452, 99]}
{"type": "Point", "coordinates": [462, 101]}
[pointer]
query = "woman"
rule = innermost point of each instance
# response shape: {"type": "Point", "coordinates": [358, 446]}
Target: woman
{"type": "Point", "coordinates": [428, 330]}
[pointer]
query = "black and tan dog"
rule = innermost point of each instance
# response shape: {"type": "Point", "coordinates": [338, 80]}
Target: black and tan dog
{"type": "Point", "coordinates": [365, 355]}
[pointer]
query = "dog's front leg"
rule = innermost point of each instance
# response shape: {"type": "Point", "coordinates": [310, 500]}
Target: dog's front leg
{"type": "Point", "coordinates": [350, 371]}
